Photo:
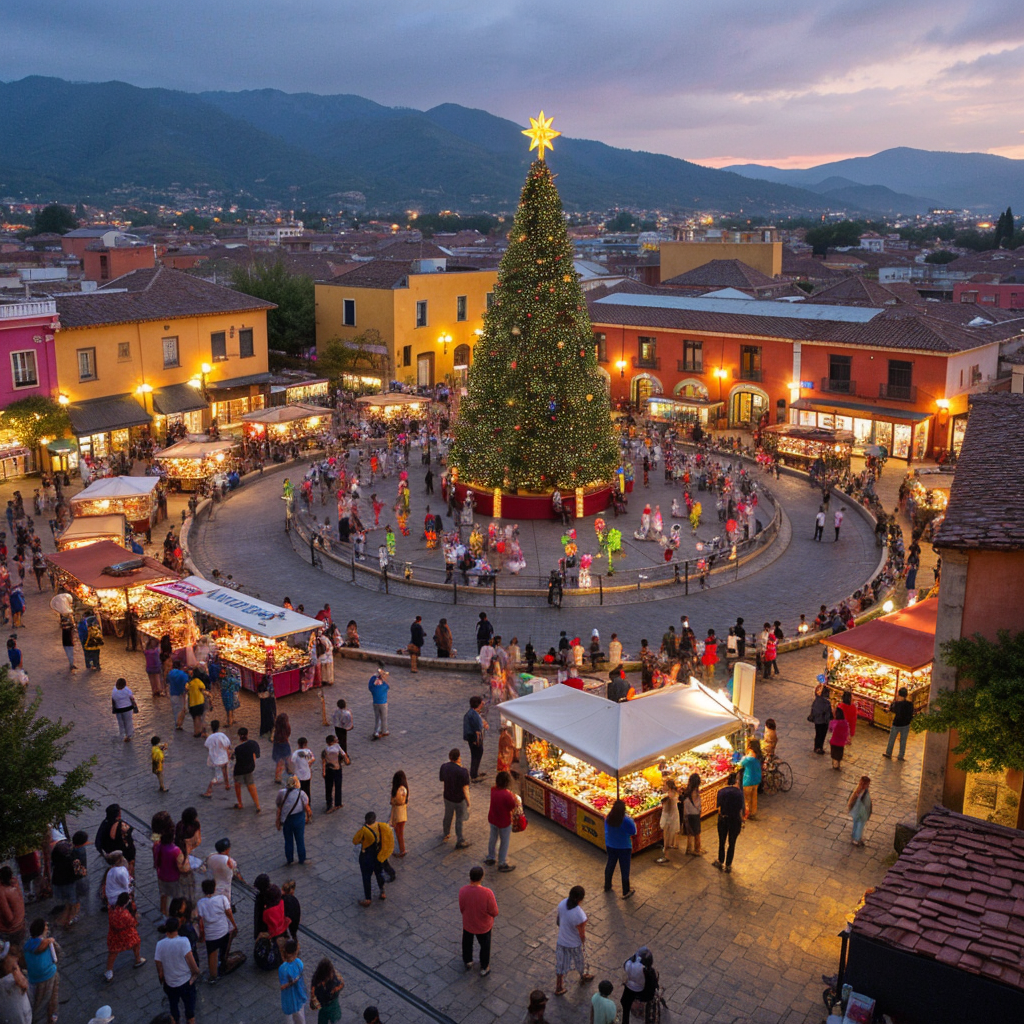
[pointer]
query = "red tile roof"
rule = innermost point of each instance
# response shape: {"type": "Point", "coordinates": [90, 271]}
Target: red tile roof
{"type": "Point", "coordinates": [955, 895]}
{"type": "Point", "coordinates": [721, 274]}
{"type": "Point", "coordinates": [859, 291]}
{"type": "Point", "coordinates": [156, 293]}
{"type": "Point", "coordinates": [985, 511]}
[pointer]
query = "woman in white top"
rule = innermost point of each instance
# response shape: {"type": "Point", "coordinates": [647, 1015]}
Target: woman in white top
{"type": "Point", "coordinates": [123, 705]}
{"type": "Point", "coordinates": [669, 819]}
{"type": "Point", "coordinates": [117, 879]}
{"type": "Point", "coordinates": [691, 815]}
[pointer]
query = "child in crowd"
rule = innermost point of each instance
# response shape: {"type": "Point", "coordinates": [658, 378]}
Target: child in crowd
{"type": "Point", "coordinates": [157, 757]}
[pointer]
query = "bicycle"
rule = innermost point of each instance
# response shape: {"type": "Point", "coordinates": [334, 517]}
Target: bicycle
{"type": "Point", "coordinates": [777, 776]}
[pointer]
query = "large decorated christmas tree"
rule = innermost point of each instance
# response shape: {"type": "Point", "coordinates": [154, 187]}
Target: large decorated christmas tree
{"type": "Point", "coordinates": [536, 415]}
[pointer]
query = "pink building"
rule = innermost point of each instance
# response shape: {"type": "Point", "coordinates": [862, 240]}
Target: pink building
{"type": "Point", "coordinates": [28, 368]}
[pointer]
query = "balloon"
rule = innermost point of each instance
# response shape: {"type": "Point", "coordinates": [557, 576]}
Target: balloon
{"type": "Point", "coordinates": [668, 555]}
{"type": "Point", "coordinates": [731, 526]}
{"type": "Point", "coordinates": [501, 547]}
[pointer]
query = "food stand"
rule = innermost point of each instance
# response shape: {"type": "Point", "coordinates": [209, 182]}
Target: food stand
{"type": "Point", "coordinates": [684, 408]}
{"type": "Point", "coordinates": [90, 529]}
{"type": "Point", "coordinates": [583, 750]}
{"type": "Point", "coordinates": [285, 422]}
{"type": "Point", "coordinates": [108, 577]}
{"type": "Point", "coordinates": [252, 635]}
{"type": "Point", "coordinates": [801, 446]}
{"type": "Point", "coordinates": [393, 405]}
{"type": "Point", "coordinates": [874, 660]}
{"type": "Point", "coordinates": [926, 496]}
{"type": "Point", "coordinates": [196, 458]}
{"type": "Point", "coordinates": [133, 496]}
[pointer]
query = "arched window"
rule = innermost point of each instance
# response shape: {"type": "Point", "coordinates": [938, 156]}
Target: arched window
{"type": "Point", "coordinates": [462, 355]}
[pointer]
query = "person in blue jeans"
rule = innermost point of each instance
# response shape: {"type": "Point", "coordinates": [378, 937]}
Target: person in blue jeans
{"type": "Point", "coordinates": [619, 829]}
{"type": "Point", "coordinates": [902, 713]}
{"type": "Point", "coordinates": [293, 811]}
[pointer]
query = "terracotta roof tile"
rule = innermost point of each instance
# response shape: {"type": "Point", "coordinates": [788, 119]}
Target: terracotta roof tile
{"type": "Point", "coordinates": [985, 511]}
{"type": "Point", "coordinates": [722, 274]}
{"type": "Point", "coordinates": [941, 899]}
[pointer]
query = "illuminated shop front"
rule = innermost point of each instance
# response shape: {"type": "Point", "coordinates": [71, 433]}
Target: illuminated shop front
{"type": "Point", "coordinates": [904, 434]}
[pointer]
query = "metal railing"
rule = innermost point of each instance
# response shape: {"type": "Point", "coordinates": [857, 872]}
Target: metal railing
{"type": "Point", "coordinates": [646, 363]}
{"type": "Point", "coordinates": [749, 374]}
{"type": "Point", "coordinates": [838, 386]}
{"type": "Point", "coordinates": [898, 392]}
{"type": "Point", "coordinates": [683, 366]}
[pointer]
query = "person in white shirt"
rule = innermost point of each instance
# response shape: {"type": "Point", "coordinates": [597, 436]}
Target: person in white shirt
{"type": "Point", "coordinates": [223, 867]}
{"type": "Point", "coordinates": [216, 926]}
{"type": "Point", "coordinates": [484, 657]}
{"type": "Point", "coordinates": [218, 748]}
{"type": "Point", "coordinates": [837, 520]}
{"type": "Point", "coordinates": [123, 705]}
{"type": "Point", "coordinates": [303, 759]}
{"type": "Point", "coordinates": [118, 879]}
{"type": "Point", "coordinates": [614, 651]}
{"type": "Point", "coordinates": [177, 969]}
{"type": "Point", "coordinates": [819, 523]}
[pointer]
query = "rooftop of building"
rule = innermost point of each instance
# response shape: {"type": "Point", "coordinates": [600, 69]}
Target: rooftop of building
{"type": "Point", "coordinates": [985, 510]}
{"type": "Point", "coordinates": [722, 274]}
{"type": "Point", "coordinates": [155, 293]}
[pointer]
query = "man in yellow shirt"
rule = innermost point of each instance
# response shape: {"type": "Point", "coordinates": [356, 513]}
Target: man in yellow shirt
{"type": "Point", "coordinates": [376, 842]}
{"type": "Point", "coordinates": [197, 705]}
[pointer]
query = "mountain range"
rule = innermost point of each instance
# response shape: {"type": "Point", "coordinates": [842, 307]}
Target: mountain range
{"type": "Point", "coordinates": [107, 141]}
{"type": "Point", "coordinates": [973, 181]}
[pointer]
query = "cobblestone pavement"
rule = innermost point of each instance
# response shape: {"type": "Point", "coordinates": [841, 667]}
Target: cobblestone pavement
{"type": "Point", "coordinates": [806, 575]}
{"type": "Point", "coordinates": [749, 946]}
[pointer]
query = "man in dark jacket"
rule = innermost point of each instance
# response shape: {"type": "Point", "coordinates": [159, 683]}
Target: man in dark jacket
{"type": "Point", "coordinates": [417, 638]}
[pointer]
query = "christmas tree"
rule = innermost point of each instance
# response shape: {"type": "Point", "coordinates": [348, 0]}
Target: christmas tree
{"type": "Point", "coordinates": [536, 415]}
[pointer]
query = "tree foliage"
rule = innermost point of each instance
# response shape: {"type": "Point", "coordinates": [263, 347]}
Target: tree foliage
{"type": "Point", "coordinates": [352, 355]}
{"type": "Point", "coordinates": [537, 413]}
{"type": "Point", "coordinates": [941, 256]}
{"type": "Point", "coordinates": [39, 786]}
{"type": "Point", "coordinates": [988, 716]}
{"type": "Point", "coordinates": [625, 220]}
{"type": "Point", "coordinates": [833, 236]}
{"type": "Point", "coordinates": [33, 418]}
{"type": "Point", "coordinates": [55, 219]}
{"type": "Point", "coordinates": [291, 327]}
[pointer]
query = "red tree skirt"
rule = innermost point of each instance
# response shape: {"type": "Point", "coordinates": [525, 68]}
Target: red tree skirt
{"type": "Point", "coordinates": [533, 506]}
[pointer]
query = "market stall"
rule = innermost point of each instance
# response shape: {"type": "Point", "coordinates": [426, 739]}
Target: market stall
{"type": "Point", "coordinates": [135, 497]}
{"type": "Point", "coordinates": [583, 750]}
{"type": "Point", "coordinates": [197, 458]}
{"type": "Point", "coordinates": [256, 637]}
{"type": "Point", "coordinates": [109, 578]}
{"type": "Point", "coordinates": [393, 405]}
{"type": "Point", "coordinates": [90, 529]}
{"type": "Point", "coordinates": [925, 497]}
{"type": "Point", "coordinates": [801, 446]}
{"type": "Point", "coordinates": [285, 422]}
{"type": "Point", "coordinates": [683, 408]}
{"type": "Point", "coordinates": [874, 660]}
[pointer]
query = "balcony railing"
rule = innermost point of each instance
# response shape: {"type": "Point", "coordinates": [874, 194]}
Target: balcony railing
{"type": "Point", "coordinates": [682, 366]}
{"type": "Point", "coordinates": [838, 386]}
{"type": "Point", "coordinates": [898, 392]}
{"type": "Point", "coordinates": [646, 363]}
{"type": "Point", "coordinates": [748, 373]}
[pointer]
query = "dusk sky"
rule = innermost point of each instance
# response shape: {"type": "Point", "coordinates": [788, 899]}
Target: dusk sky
{"type": "Point", "coordinates": [788, 82]}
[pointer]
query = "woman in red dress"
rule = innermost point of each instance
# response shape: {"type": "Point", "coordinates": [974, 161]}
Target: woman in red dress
{"type": "Point", "coordinates": [122, 934]}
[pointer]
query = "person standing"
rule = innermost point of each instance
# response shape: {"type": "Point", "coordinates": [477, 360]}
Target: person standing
{"type": "Point", "coordinates": [902, 713]}
{"type": "Point", "coordinates": [750, 768]}
{"type": "Point", "coordinates": [218, 748]}
{"type": "Point", "coordinates": [443, 639]}
{"type": "Point", "coordinates": [820, 716]}
{"type": "Point", "coordinates": [41, 954]}
{"type": "Point", "coordinates": [331, 758]}
{"type": "Point", "coordinates": [268, 706]}
{"type": "Point", "coordinates": [122, 702]}
{"type": "Point", "coordinates": [153, 668]}
{"type": "Point", "coordinates": [473, 726]}
{"type": "Point", "coordinates": [819, 523]}
{"type": "Point", "coordinates": [840, 730]}
{"type": "Point", "coordinates": [196, 691]}
{"type": "Point", "coordinates": [859, 808]}
{"type": "Point", "coordinates": [281, 750]}
{"type": "Point", "coordinates": [14, 1002]}
{"type": "Point", "coordinates": [93, 638]}
{"type": "Point", "coordinates": [484, 631]}
{"type": "Point", "coordinates": [223, 867]}
{"type": "Point", "coordinates": [741, 638]}
{"type": "Point", "coordinates": [709, 659]}
{"type": "Point", "coordinates": [602, 1007]}
{"type": "Point", "coordinates": [619, 829]}
{"type": "Point", "coordinates": [293, 812]}
{"type": "Point", "coordinates": [177, 970]}
{"type": "Point", "coordinates": [293, 987]}
{"type": "Point", "coordinates": [216, 927]}
{"type": "Point", "coordinates": [730, 804]}
{"type": "Point", "coordinates": [837, 520]}
{"type": "Point", "coordinates": [244, 755]}
{"type": "Point", "coordinates": [378, 687]}
{"type": "Point", "coordinates": [479, 908]}
{"type": "Point", "coordinates": [504, 804]}
{"type": "Point", "coordinates": [670, 815]}
{"type": "Point", "coordinates": [417, 638]}
{"type": "Point", "coordinates": [771, 655]}
{"type": "Point", "coordinates": [326, 985]}
{"type": "Point", "coordinates": [67, 641]}
{"type": "Point", "coordinates": [341, 719]}
{"type": "Point", "coordinates": [399, 809]}
{"type": "Point", "coordinates": [456, 797]}
{"type": "Point", "coordinates": [570, 946]}
{"type": "Point", "coordinates": [370, 839]}
{"type": "Point", "coordinates": [303, 759]}
{"type": "Point", "coordinates": [690, 812]}
{"type": "Point", "coordinates": [177, 685]}
{"type": "Point", "coordinates": [122, 934]}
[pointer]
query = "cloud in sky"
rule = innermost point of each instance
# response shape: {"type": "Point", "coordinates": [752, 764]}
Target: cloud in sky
{"type": "Point", "coordinates": [784, 81]}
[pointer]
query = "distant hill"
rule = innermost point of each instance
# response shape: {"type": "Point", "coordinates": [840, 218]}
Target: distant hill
{"type": "Point", "coordinates": [975, 181]}
{"type": "Point", "coordinates": [73, 141]}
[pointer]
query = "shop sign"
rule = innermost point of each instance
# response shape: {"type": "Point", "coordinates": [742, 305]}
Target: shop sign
{"type": "Point", "coordinates": [533, 796]}
{"type": "Point", "coordinates": [181, 589]}
{"type": "Point", "coordinates": [589, 826]}
{"type": "Point", "coordinates": [562, 811]}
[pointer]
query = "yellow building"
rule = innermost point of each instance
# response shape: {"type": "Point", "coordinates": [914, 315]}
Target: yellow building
{"type": "Point", "coordinates": [156, 348]}
{"type": "Point", "coordinates": [427, 314]}
{"type": "Point", "coordinates": [680, 257]}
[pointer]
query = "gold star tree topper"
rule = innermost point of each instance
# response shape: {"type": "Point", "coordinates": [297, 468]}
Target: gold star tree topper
{"type": "Point", "coordinates": [541, 133]}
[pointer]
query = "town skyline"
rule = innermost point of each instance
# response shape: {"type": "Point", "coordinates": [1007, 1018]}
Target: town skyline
{"type": "Point", "coordinates": [865, 77]}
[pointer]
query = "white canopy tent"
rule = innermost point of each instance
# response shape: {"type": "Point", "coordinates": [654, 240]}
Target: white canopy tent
{"type": "Point", "coordinates": [189, 448]}
{"type": "Point", "coordinates": [623, 738]}
{"type": "Point", "coordinates": [117, 487]}
{"type": "Point", "coordinates": [89, 529]}
{"type": "Point", "coordinates": [249, 613]}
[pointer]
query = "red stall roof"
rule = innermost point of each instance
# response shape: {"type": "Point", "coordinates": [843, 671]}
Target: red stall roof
{"type": "Point", "coordinates": [904, 639]}
{"type": "Point", "coordinates": [87, 565]}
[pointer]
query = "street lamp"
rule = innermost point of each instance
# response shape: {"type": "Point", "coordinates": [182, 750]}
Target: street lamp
{"type": "Point", "coordinates": [721, 374]}
{"type": "Point", "coordinates": [621, 364]}
{"type": "Point", "coordinates": [63, 399]}
{"type": "Point", "coordinates": [444, 339]}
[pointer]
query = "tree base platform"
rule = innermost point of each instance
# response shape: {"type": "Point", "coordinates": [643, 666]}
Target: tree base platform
{"type": "Point", "coordinates": [533, 505]}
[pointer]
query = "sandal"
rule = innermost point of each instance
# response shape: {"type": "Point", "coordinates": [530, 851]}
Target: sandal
{"type": "Point", "coordinates": [365, 903]}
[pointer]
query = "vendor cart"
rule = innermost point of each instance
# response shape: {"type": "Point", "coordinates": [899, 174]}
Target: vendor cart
{"type": "Point", "coordinates": [583, 751]}
{"type": "Point", "coordinates": [196, 458]}
{"type": "Point", "coordinates": [133, 496]}
{"type": "Point", "coordinates": [89, 529]}
{"type": "Point", "coordinates": [258, 638]}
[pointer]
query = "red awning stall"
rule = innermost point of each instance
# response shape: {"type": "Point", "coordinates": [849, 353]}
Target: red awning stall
{"type": "Point", "coordinates": [874, 660]}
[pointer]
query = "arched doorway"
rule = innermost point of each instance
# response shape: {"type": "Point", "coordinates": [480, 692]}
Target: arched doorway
{"type": "Point", "coordinates": [642, 386]}
{"type": "Point", "coordinates": [747, 404]}
{"type": "Point", "coordinates": [691, 388]}
{"type": "Point", "coordinates": [607, 377]}
{"type": "Point", "coordinates": [461, 358]}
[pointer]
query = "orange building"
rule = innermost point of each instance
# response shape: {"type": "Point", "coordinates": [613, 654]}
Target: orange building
{"type": "Point", "coordinates": [104, 263]}
{"type": "Point", "coordinates": [898, 377]}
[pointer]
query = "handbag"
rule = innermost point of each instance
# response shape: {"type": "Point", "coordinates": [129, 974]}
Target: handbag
{"type": "Point", "coordinates": [266, 954]}
{"type": "Point", "coordinates": [810, 718]}
{"type": "Point", "coordinates": [519, 822]}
